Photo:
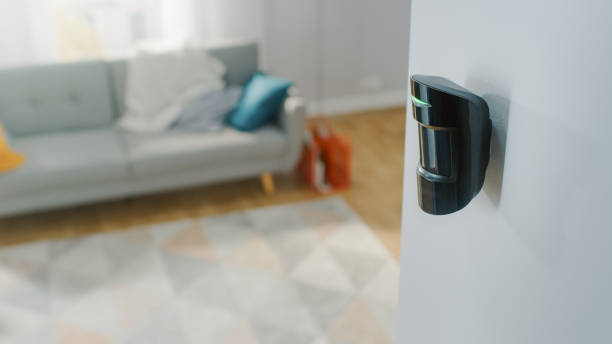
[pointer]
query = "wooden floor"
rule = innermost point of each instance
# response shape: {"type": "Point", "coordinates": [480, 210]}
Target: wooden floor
{"type": "Point", "coordinates": [376, 193]}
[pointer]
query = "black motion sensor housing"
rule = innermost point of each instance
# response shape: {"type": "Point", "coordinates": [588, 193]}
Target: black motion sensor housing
{"type": "Point", "coordinates": [454, 138]}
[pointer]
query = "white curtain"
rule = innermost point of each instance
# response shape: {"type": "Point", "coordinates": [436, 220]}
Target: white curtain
{"type": "Point", "coordinates": [47, 31]}
{"type": "Point", "coordinates": [24, 35]}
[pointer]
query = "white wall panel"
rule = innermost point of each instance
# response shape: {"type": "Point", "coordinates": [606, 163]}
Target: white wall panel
{"type": "Point", "coordinates": [528, 261]}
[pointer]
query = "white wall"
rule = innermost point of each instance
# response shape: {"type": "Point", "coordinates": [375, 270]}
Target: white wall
{"type": "Point", "coordinates": [530, 259]}
{"type": "Point", "coordinates": [14, 33]}
{"type": "Point", "coordinates": [291, 47]}
{"type": "Point", "coordinates": [223, 20]}
{"type": "Point", "coordinates": [177, 19]}
{"type": "Point", "coordinates": [343, 54]}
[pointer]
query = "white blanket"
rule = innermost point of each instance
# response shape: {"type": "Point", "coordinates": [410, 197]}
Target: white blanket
{"type": "Point", "coordinates": [159, 85]}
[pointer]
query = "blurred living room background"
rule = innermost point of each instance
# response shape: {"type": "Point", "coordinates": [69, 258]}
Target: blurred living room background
{"type": "Point", "coordinates": [344, 55]}
{"type": "Point", "coordinates": [110, 234]}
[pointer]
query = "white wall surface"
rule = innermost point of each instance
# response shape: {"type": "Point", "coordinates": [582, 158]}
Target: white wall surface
{"type": "Point", "coordinates": [227, 20]}
{"type": "Point", "coordinates": [343, 54]}
{"type": "Point", "coordinates": [290, 46]}
{"type": "Point", "coordinates": [530, 259]}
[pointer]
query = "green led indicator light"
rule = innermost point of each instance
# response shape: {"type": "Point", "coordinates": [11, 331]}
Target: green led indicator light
{"type": "Point", "coordinates": [417, 101]}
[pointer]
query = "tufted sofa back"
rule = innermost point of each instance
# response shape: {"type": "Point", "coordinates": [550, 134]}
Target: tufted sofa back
{"type": "Point", "coordinates": [53, 98]}
{"type": "Point", "coordinates": [85, 95]}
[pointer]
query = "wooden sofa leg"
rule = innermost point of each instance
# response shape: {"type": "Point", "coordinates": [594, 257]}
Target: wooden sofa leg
{"type": "Point", "coordinates": [267, 183]}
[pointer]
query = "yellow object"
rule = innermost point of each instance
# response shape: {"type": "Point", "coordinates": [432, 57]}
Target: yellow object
{"type": "Point", "coordinates": [9, 160]}
{"type": "Point", "coordinates": [267, 182]}
{"type": "Point", "coordinates": [77, 38]}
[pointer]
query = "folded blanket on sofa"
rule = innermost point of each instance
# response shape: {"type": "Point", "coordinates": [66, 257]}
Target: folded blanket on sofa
{"type": "Point", "coordinates": [159, 85]}
{"type": "Point", "coordinates": [208, 112]}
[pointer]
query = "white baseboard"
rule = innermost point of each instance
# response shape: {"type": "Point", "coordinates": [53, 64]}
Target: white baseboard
{"type": "Point", "coordinates": [362, 102]}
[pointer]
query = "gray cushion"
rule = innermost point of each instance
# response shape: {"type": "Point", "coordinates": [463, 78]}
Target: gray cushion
{"type": "Point", "coordinates": [208, 112]}
{"type": "Point", "coordinates": [72, 158]}
{"type": "Point", "coordinates": [153, 154]}
{"type": "Point", "coordinates": [45, 99]}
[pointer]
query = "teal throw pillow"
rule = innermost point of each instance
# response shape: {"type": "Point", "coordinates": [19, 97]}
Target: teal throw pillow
{"type": "Point", "coordinates": [261, 101]}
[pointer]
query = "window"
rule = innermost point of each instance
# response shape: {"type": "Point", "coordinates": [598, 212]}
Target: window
{"type": "Point", "coordinates": [105, 28]}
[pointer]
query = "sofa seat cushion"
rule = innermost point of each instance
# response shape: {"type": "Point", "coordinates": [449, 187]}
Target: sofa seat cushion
{"type": "Point", "coordinates": [71, 158]}
{"type": "Point", "coordinates": [159, 153]}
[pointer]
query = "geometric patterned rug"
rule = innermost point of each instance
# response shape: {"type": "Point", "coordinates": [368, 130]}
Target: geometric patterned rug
{"type": "Point", "coordinates": [306, 273]}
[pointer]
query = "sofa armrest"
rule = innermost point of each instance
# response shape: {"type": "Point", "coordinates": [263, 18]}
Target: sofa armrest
{"type": "Point", "coordinates": [292, 122]}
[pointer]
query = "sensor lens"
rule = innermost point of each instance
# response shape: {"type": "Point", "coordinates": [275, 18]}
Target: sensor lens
{"type": "Point", "coordinates": [436, 151]}
{"type": "Point", "coordinates": [419, 102]}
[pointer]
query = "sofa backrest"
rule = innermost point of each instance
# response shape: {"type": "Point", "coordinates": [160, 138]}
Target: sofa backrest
{"type": "Point", "coordinates": [240, 59]}
{"type": "Point", "coordinates": [52, 98]}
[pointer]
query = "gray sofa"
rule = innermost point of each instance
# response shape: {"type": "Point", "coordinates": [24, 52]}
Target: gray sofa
{"type": "Point", "coordinates": [61, 117]}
